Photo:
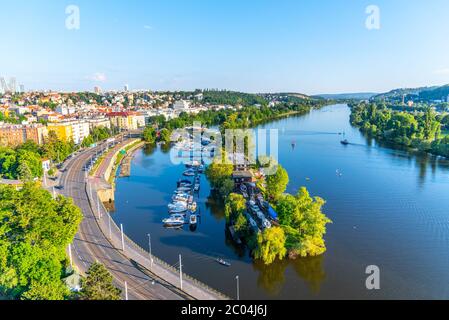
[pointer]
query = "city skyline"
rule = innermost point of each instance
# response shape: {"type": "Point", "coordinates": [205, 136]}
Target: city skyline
{"type": "Point", "coordinates": [256, 46]}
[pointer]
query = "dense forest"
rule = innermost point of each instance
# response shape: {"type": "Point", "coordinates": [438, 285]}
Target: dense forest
{"type": "Point", "coordinates": [245, 117]}
{"type": "Point", "coordinates": [233, 98]}
{"type": "Point", "coordinates": [420, 130]}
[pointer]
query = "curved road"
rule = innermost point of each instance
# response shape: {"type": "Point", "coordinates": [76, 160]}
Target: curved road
{"type": "Point", "coordinates": [91, 245]}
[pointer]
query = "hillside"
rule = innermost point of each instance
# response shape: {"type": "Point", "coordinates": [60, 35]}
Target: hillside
{"type": "Point", "coordinates": [346, 96]}
{"type": "Point", "coordinates": [423, 94]}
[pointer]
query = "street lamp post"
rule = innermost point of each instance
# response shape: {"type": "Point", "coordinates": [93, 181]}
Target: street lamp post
{"type": "Point", "coordinates": [238, 287]}
{"type": "Point", "coordinates": [126, 291]}
{"type": "Point", "coordinates": [123, 238]}
{"type": "Point", "coordinates": [180, 270]}
{"type": "Point", "coordinates": [110, 228]}
{"type": "Point", "coordinates": [151, 254]}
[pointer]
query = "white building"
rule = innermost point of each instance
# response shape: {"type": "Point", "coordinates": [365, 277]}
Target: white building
{"type": "Point", "coordinates": [80, 131]}
{"type": "Point", "coordinates": [65, 110]}
{"type": "Point", "coordinates": [181, 105]}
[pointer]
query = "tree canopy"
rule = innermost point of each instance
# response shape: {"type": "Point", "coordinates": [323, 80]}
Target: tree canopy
{"type": "Point", "coordinates": [276, 184]}
{"type": "Point", "coordinates": [420, 130]}
{"type": "Point", "coordinates": [304, 223]}
{"type": "Point", "coordinates": [98, 285]}
{"type": "Point", "coordinates": [35, 230]}
{"type": "Point", "coordinates": [270, 245]}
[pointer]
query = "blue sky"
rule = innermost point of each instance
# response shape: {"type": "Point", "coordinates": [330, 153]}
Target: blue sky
{"type": "Point", "coordinates": [319, 46]}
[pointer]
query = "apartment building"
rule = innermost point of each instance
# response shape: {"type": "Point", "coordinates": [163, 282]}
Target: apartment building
{"type": "Point", "coordinates": [127, 120]}
{"type": "Point", "coordinates": [14, 135]}
{"type": "Point", "coordinates": [99, 122]}
{"type": "Point", "coordinates": [75, 131]}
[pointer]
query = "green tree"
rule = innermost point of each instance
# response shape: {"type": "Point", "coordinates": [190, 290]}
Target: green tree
{"type": "Point", "coordinates": [149, 135]}
{"type": "Point", "coordinates": [226, 187]}
{"type": "Point", "coordinates": [219, 172]}
{"type": "Point", "coordinates": [304, 223]}
{"type": "Point", "coordinates": [235, 206]}
{"type": "Point", "coordinates": [241, 225]}
{"type": "Point", "coordinates": [165, 135]}
{"type": "Point", "coordinates": [24, 173]}
{"type": "Point", "coordinates": [276, 184]}
{"type": "Point", "coordinates": [270, 245]}
{"type": "Point", "coordinates": [34, 234]}
{"type": "Point", "coordinates": [98, 285]}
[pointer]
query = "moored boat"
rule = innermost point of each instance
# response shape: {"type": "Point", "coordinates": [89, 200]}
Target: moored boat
{"type": "Point", "coordinates": [223, 262]}
{"type": "Point", "coordinates": [193, 219]}
{"type": "Point", "coordinates": [174, 221]}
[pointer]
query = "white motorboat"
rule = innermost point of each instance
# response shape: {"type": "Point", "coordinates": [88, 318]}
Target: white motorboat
{"type": "Point", "coordinates": [174, 221]}
{"type": "Point", "coordinates": [197, 187]}
{"type": "Point", "coordinates": [181, 198]}
{"type": "Point", "coordinates": [177, 210]}
{"type": "Point", "coordinates": [178, 204]}
{"type": "Point", "coordinates": [184, 189]}
{"type": "Point", "coordinates": [193, 219]}
{"type": "Point", "coordinates": [189, 173]}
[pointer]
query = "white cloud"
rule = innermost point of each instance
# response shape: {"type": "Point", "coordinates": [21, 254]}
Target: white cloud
{"type": "Point", "coordinates": [98, 77]}
{"type": "Point", "coordinates": [147, 27]}
{"type": "Point", "coordinates": [443, 71]}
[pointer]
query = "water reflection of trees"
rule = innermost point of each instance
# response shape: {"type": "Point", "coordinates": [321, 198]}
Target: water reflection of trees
{"type": "Point", "coordinates": [311, 270]}
{"type": "Point", "coordinates": [165, 148]}
{"type": "Point", "coordinates": [149, 149]}
{"type": "Point", "coordinates": [215, 206]}
{"type": "Point", "coordinates": [423, 161]}
{"type": "Point", "coordinates": [272, 278]}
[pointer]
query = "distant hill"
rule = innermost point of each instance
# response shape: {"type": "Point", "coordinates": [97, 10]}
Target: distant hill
{"type": "Point", "coordinates": [423, 94]}
{"type": "Point", "coordinates": [346, 96]}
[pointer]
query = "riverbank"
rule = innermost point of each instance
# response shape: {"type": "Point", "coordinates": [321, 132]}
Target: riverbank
{"type": "Point", "coordinates": [417, 131]}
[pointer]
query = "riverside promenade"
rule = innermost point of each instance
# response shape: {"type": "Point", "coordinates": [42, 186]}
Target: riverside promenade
{"type": "Point", "coordinates": [184, 285]}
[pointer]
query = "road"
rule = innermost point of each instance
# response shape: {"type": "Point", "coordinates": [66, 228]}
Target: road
{"type": "Point", "coordinates": [91, 245]}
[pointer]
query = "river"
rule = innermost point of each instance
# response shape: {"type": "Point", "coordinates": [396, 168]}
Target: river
{"type": "Point", "coordinates": [389, 207]}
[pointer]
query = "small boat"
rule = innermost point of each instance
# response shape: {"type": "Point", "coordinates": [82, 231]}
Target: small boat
{"type": "Point", "coordinates": [223, 262]}
{"type": "Point", "coordinates": [177, 204]}
{"type": "Point", "coordinates": [181, 198]}
{"type": "Point", "coordinates": [197, 187]}
{"type": "Point", "coordinates": [177, 207]}
{"type": "Point", "coordinates": [177, 210]}
{"type": "Point", "coordinates": [189, 173]}
{"type": "Point", "coordinates": [193, 219]}
{"type": "Point", "coordinates": [193, 207]}
{"type": "Point", "coordinates": [345, 142]}
{"type": "Point", "coordinates": [193, 164]}
{"type": "Point", "coordinates": [201, 169]}
{"type": "Point", "coordinates": [174, 221]}
{"type": "Point", "coordinates": [184, 183]}
{"type": "Point", "coordinates": [183, 189]}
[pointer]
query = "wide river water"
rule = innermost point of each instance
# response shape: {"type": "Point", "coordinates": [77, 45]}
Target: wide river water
{"type": "Point", "coordinates": [390, 208]}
